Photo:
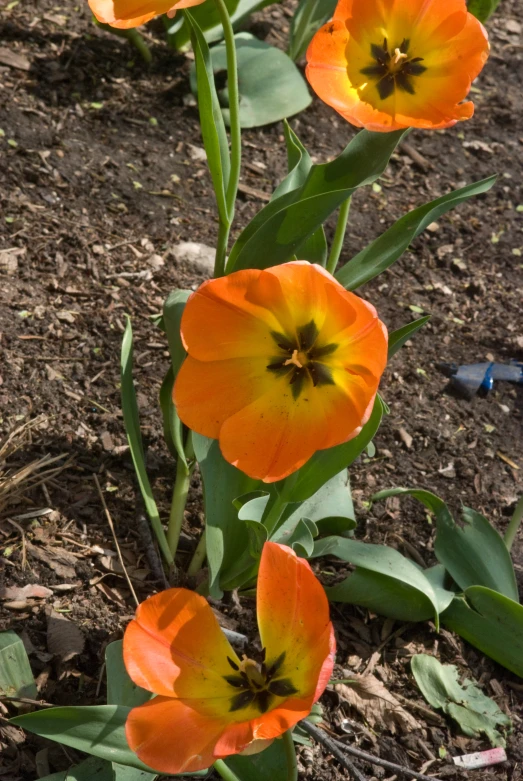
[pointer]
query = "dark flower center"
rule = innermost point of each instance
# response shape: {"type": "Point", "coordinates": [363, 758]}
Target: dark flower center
{"type": "Point", "coordinates": [257, 684]}
{"type": "Point", "coordinates": [300, 358]}
{"type": "Point", "coordinates": [393, 69]}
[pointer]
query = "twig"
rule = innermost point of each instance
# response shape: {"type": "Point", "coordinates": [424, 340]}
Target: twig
{"type": "Point", "coordinates": [111, 526]}
{"type": "Point", "coordinates": [26, 701]}
{"type": "Point", "coordinates": [405, 771]}
{"type": "Point", "coordinates": [24, 542]}
{"type": "Point", "coordinates": [143, 528]}
{"type": "Point", "coordinates": [320, 737]}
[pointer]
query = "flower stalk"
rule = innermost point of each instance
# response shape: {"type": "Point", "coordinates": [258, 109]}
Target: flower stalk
{"type": "Point", "coordinates": [513, 527]}
{"type": "Point", "coordinates": [235, 137]}
{"type": "Point", "coordinates": [179, 498]}
{"type": "Point", "coordinates": [339, 236]}
{"type": "Point", "coordinates": [290, 754]}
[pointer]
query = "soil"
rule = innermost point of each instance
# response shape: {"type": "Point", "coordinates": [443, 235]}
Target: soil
{"type": "Point", "coordinates": [100, 179]}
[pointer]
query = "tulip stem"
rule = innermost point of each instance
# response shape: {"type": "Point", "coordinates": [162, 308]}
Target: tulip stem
{"type": "Point", "coordinates": [179, 498]}
{"type": "Point", "coordinates": [224, 771]}
{"type": "Point", "coordinates": [198, 556]}
{"type": "Point", "coordinates": [235, 131]}
{"type": "Point", "coordinates": [290, 754]}
{"type": "Point", "coordinates": [132, 35]}
{"type": "Point", "coordinates": [513, 527]}
{"type": "Point", "coordinates": [339, 236]}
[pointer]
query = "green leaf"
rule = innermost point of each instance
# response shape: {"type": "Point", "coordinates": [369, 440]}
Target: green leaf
{"type": "Point", "coordinates": [475, 554]}
{"type": "Point", "coordinates": [126, 773]}
{"type": "Point", "coordinates": [271, 86]}
{"type": "Point", "coordinates": [299, 163]}
{"type": "Point", "coordinates": [209, 19]}
{"type": "Point", "coordinates": [401, 335]}
{"type": "Point", "coordinates": [283, 225]}
{"type": "Point", "coordinates": [386, 249]}
{"type": "Point", "coordinates": [91, 769]}
{"type": "Point", "coordinates": [226, 539]}
{"type": "Point", "coordinates": [475, 713]}
{"type": "Point", "coordinates": [172, 425]}
{"type": "Point", "coordinates": [269, 764]}
{"type": "Point", "coordinates": [211, 119]}
{"type": "Point", "coordinates": [16, 678]}
{"type": "Point", "coordinates": [307, 20]}
{"type": "Point", "coordinates": [98, 730]}
{"type": "Point", "coordinates": [385, 581]}
{"type": "Point", "coordinates": [491, 622]}
{"type": "Point", "coordinates": [325, 464]}
{"type": "Point", "coordinates": [134, 437]}
{"type": "Point", "coordinates": [482, 9]}
{"type": "Point", "coordinates": [330, 508]}
{"type": "Point", "coordinates": [120, 688]}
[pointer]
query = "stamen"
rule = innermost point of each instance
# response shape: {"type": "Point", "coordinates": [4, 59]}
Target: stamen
{"type": "Point", "coordinates": [294, 360]}
{"type": "Point", "coordinates": [399, 55]}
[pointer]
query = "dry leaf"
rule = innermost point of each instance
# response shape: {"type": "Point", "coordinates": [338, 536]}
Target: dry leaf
{"type": "Point", "coordinates": [64, 639]}
{"type": "Point", "coordinates": [14, 60]}
{"type": "Point", "coordinates": [376, 704]}
{"type": "Point", "coordinates": [58, 559]}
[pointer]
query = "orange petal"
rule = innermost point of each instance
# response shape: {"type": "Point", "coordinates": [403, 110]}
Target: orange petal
{"type": "Point", "coordinates": [172, 736]}
{"type": "Point", "coordinates": [293, 617]}
{"type": "Point", "coordinates": [176, 648]}
{"type": "Point", "coordinates": [124, 14]}
{"type": "Point", "coordinates": [206, 393]}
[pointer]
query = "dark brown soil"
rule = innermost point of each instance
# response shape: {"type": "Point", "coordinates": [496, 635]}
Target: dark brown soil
{"type": "Point", "coordinates": [94, 195]}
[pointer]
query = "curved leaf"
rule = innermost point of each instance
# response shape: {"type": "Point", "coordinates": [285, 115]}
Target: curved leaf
{"type": "Point", "coordinates": [401, 335]}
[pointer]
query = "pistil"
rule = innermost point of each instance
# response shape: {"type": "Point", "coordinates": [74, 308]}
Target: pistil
{"type": "Point", "coordinates": [294, 360]}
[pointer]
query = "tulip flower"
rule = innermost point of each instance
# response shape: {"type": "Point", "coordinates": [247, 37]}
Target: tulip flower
{"type": "Point", "coordinates": [281, 363]}
{"type": "Point", "coordinates": [391, 64]}
{"type": "Point", "coordinates": [125, 14]}
{"type": "Point", "coordinates": [209, 703]}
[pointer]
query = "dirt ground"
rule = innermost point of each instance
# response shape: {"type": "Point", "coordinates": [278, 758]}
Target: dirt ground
{"type": "Point", "coordinates": [99, 181]}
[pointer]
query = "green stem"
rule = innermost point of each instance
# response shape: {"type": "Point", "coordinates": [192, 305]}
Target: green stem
{"type": "Point", "coordinates": [225, 772]}
{"type": "Point", "coordinates": [179, 499]}
{"type": "Point", "coordinates": [290, 754]}
{"type": "Point", "coordinates": [221, 249]}
{"type": "Point", "coordinates": [134, 37]}
{"type": "Point", "coordinates": [234, 109]}
{"type": "Point", "coordinates": [274, 514]}
{"type": "Point", "coordinates": [198, 556]}
{"type": "Point", "coordinates": [337, 244]}
{"type": "Point", "coordinates": [513, 527]}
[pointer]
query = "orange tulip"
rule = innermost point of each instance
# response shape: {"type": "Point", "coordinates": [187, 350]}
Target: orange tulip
{"type": "Point", "coordinates": [391, 64]}
{"type": "Point", "coordinates": [132, 13]}
{"type": "Point", "coordinates": [281, 363]}
{"type": "Point", "coordinates": [209, 703]}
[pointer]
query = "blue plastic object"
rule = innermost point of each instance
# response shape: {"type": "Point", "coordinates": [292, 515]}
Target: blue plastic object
{"type": "Point", "coordinates": [471, 378]}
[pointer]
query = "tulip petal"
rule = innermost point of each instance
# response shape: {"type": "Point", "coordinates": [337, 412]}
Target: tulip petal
{"type": "Point", "coordinates": [173, 736]}
{"type": "Point", "coordinates": [125, 14]}
{"type": "Point", "coordinates": [293, 618]}
{"type": "Point", "coordinates": [175, 647]}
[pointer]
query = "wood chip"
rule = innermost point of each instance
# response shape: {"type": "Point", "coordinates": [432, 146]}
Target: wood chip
{"type": "Point", "coordinates": [31, 591]}
{"type": "Point", "coordinates": [14, 60]}
{"type": "Point", "coordinates": [64, 638]}
{"type": "Point", "coordinates": [60, 561]}
{"type": "Point", "coordinates": [260, 194]}
{"type": "Point", "coordinates": [405, 438]}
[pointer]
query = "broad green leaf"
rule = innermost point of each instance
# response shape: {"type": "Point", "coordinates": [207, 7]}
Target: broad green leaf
{"type": "Point", "coordinates": [384, 580]}
{"type": "Point", "coordinates": [482, 9]}
{"type": "Point", "coordinates": [126, 773]}
{"type": "Point", "coordinates": [401, 335]}
{"type": "Point", "coordinates": [386, 249]}
{"type": "Point", "coordinates": [269, 764]}
{"type": "Point", "coordinates": [299, 164]}
{"type": "Point", "coordinates": [475, 554]}
{"type": "Point", "coordinates": [120, 688]}
{"type": "Point", "coordinates": [276, 232]}
{"type": "Point", "coordinates": [211, 119]}
{"type": "Point", "coordinates": [98, 730]}
{"type": "Point", "coordinates": [209, 20]}
{"type": "Point", "coordinates": [307, 20]}
{"type": "Point", "coordinates": [271, 86]}
{"type": "Point", "coordinates": [172, 425]}
{"type": "Point", "coordinates": [491, 622]}
{"type": "Point", "coordinates": [475, 713]}
{"type": "Point", "coordinates": [134, 438]}
{"type": "Point", "coordinates": [91, 769]}
{"type": "Point", "coordinates": [325, 464]}
{"type": "Point", "coordinates": [226, 538]}
{"type": "Point", "coordinates": [16, 678]}
{"type": "Point", "coordinates": [330, 508]}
